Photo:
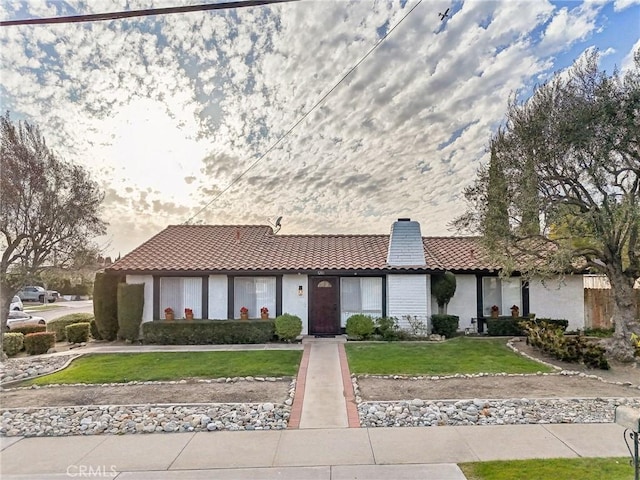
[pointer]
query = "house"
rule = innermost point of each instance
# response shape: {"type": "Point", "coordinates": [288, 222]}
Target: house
{"type": "Point", "coordinates": [217, 269]}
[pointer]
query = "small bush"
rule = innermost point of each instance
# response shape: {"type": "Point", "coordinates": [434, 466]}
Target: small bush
{"type": "Point", "coordinates": [38, 343]}
{"type": "Point", "coordinates": [12, 343]}
{"type": "Point", "coordinates": [558, 322]}
{"type": "Point", "coordinates": [130, 308]}
{"type": "Point", "coordinates": [58, 325]}
{"type": "Point", "coordinates": [416, 329]}
{"type": "Point", "coordinates": [446, 325]}
{"type": "Point", "coordinates": [360, 326]}
{"type": "Point", "coordinates": [94, 331]}
{"type": "Point", "coordinates": [388, 328]}
{"type": "Point", "coordinates": [27, 329]}
{"type": "Point", "coordinates": [288, 327]}
{"type": "Point", "coordinates": [207, 332]}
{"type": "Point", "coordinates": [77, 332]}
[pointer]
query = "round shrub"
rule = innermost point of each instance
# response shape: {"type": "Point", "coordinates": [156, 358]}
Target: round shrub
{"type": "Point", "coordinates": [387, 328]}
{"type": "Point", "coordinates": [360, 326]}
{"type": "Point", "coordinates": [58, 325]}
{"type": "Point", "coordinates": [77, 332]}
{"type": "Point", "coordinates": [38, 343]}
{"type": "Point", "coordinates": [12, 343]}
{"type": "Point", "coordinates": [288, 327]}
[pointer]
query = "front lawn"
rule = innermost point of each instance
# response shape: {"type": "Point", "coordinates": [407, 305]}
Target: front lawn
{"type": "Point", "coordinates": [126, 367]}
{"type": "Point", "coordinates": [458, 355]}
{"type": "Point", "coordinates": [550, 469]}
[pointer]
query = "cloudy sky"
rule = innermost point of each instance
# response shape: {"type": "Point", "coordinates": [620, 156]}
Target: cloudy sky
{"type": "Point", "coordinates": [167, 111]}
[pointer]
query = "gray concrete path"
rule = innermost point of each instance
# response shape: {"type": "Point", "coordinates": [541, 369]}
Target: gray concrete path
{"type": "Point", "coordinates": [324, 402]}
{"type": "Point", "coordinates": [322, 454]}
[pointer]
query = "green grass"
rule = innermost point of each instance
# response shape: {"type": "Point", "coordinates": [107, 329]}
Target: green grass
{"type": "Point", "coordinates": [126, 367]}
{"type": "Point", "coordinates": [550, 469]}
{"type": "Point", "coordinates": [459, 355]}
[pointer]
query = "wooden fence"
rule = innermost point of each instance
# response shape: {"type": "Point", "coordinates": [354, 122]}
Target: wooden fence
{"type": "Point", "coordinates": [598, 307]}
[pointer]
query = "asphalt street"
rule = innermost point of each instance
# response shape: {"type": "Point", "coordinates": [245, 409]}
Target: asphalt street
{"type": "Point", "coordinates": [59, 308]}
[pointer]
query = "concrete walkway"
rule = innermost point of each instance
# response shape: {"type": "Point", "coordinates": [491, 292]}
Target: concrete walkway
{"type": "Point", "coordinates": [318, 445]}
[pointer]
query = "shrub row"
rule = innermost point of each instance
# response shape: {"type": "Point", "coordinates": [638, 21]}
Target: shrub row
{"type": "Point", "coordinates": [27, 329]}
{"type": "Point", "coordinates": [205, 332]}
{"type": "Point", "coordinates": [58, 325]}
{"type": "Point", "coordinates": [77, 332]}
{"type": "Point", "coordinates": [551, 339]}
{"type": "Point", "coordinates": [446, 325]}
{"type": "Point", "coordinates": [39, 343]}
{"type": "Point", "coordinates": [12, 343]}
{"type": "Point", "coordinates": [510, 326]}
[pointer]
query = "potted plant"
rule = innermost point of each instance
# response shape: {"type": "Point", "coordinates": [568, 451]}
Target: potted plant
{"type": "Point", "coordinates": [244, 313]}
{"type": "Point", "coordinates": [515, 311]}
{"type": "Point", "coordinates": [188, 314]}
{"type": "Point", "coordinates": [264, 313]}
{"type": "Point", "coordinates": [495, 311]}
{"type": "Point", "coordinates": [168, 313]}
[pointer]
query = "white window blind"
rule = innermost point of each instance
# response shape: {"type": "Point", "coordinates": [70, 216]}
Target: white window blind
{"type": "Point", "coordinates": [254, 293]}
{"type": "Point", "coordinates": [360, 295]}
{"type": "Point", "coordinates": [179, 293]}
{"type": "Point", "coordinates": [504, 292]}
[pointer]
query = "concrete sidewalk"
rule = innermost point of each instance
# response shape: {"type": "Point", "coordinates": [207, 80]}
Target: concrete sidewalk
{"type": "Point", "coordinates": [323, 454]}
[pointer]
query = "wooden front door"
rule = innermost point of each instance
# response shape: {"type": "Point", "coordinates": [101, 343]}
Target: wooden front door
{"type": "Point", "coordinates": [324, 314]}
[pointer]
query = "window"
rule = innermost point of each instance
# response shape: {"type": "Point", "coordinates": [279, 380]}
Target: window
{"type": "Point", "coordinates": [180, 293]}
{"type": "Point", "coordinates": [360, 295]}
{"type": "Point", "coordinates": [504, 292]}
{"type": "Point", "coordinates": [254, 293]}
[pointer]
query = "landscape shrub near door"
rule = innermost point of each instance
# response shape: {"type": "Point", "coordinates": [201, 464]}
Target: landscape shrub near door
{"type": "Point", "coordinates": [130, 308]}
{"type": "Point", "coordinates": [288, 327]}
{"type": "Point", "coordinates": [446, 325]}
{"type": "Point", "coordinates": [78, 332]}
{"type": "Point", "coordinates": [105, 304]}
{"type": "Point", "coordinates": [207, 332]}
{"type": "Point", "coordinates": [58, 325]}
{"type": "Point", "coordinates": [38, 343]}
{"type": "Point", "coordinates": [12, 343]}
{"type": "Point", "coordinates": [504, 326]}
{"type": "Point", "coordinates": [360, 326]}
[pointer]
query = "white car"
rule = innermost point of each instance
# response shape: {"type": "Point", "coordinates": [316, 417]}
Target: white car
{"type": "Point", "coordinates": [17, 319]}
{"type": "Point", "coordinates": [16, 304]}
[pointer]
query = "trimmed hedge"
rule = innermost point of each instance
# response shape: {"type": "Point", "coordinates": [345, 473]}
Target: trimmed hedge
{"type": "Point", "coordinates": [130, 308]}
{"type": "Point", "coordinates": [509, 326]}
{"type": "Point", "coordinates": [446, 325]}
{"type": "Point", "coordinates": [27, 329]}
{"type": "Point", "coordinates": [78, 332]}
{"type": "Point", "coordinates": [58, 325]}
{"type": "Point", "coordinates": [105, 304]}
{"type": "Point", "coordinates": [12, 343]}
{"type": "Point", "coordinates": [360, 326]}
{"type": "Point", "coordinates": [207, 332]}
{"type": "Point", "coordinates": [288, 327]}
{"type": "Point", "coordinates": [38, 343]}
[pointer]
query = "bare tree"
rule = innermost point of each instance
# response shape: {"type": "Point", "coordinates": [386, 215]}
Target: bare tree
{"type": "Point", "coordinates": [568, 163]}
{"type": "Point", "coordinates": [49, 209]}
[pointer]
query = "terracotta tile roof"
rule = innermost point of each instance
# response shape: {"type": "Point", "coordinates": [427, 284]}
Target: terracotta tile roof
{"type": "Point", "coordinates": [254, 248]}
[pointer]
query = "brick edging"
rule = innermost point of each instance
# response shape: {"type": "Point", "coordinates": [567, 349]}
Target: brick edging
{"type": "Point", "coordinates": [301, 380]}
{"type": "Point", "coordinates": [350, 400]}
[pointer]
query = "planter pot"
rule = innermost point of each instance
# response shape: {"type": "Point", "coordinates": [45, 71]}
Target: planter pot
{"type": "Point", "coordinates": [244, 316]}
{"type": "Point", "coordinates": [168, 317]}
{"type": "Point", "coordinates": [189, 316]}
{"type": "Point", "coordinates": [264, 316]}
{"type": "Point", "coordinates": [494, 314]}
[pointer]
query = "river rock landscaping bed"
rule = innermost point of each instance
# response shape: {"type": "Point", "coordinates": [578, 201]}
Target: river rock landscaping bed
{"type": "Point", "coordinates": [14, 369]}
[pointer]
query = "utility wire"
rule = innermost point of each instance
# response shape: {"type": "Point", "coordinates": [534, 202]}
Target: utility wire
{"type": "Point", "coordinates": [304, 116]}
{"type": "Point", "coordinates": [98, 17]}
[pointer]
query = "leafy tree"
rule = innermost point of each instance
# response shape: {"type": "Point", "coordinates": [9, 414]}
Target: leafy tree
{"type": "Point", "coordinates": [569, 163]}
{"type": "Point", "coordinates": [49, 209]}
{"type": "Point", "coordinates": [443, 288]}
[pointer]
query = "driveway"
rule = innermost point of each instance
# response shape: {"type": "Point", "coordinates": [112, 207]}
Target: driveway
{"type": "Point", "coordinates": [62, 308]}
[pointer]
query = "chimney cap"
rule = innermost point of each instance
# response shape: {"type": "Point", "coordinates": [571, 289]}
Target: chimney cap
{"type": "Point", "coordinates": [404, 219]}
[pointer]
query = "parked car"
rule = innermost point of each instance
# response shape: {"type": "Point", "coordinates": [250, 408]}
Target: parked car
{"type": "Point", "coordinates": [16, 304]}
{"type": "Point", "coordinates": [17, 319]}
{"type": "Point", "coordinates": [37, 294]}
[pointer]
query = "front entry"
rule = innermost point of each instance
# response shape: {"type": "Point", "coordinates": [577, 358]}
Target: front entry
{"type": "Point", "coordinates": [324, 314]}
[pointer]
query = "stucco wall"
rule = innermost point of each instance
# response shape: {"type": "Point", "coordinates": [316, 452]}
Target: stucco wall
{"type": "Point", "coordinates": [559, 299]}
{"type": "Point", "coordinates": [464, 302]}
{"type": "Point", "coordinates": [409, 295]}
{"type": "Point", "coordinates": [292, 302]}
{"type": "Point", "coordinates": [218, 297]}
{"type": "Point", "coordinates": [147, 311]}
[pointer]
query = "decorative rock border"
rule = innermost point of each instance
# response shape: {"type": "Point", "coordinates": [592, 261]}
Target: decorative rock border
{"type": "Point", "coordinates": [15, 370]}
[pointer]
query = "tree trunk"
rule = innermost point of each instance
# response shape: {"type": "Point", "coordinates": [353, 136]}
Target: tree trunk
{"type": "Point", "coordinates": [624, 309]}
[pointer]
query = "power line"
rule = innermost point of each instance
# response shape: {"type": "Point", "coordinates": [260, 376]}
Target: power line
{"type": "Point", "coordinates": [98, 17]}
{"type": "Point", "coordinates": [304, 116]}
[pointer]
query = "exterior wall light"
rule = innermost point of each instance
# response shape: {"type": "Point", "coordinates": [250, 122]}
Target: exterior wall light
{"type": "Point", "coordinates": [300, 291]}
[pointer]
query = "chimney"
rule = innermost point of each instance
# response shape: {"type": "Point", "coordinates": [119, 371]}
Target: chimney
{"type": "Point", "coordinates": [405, 244]}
